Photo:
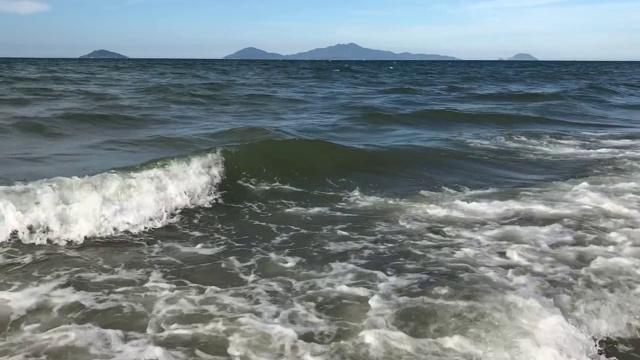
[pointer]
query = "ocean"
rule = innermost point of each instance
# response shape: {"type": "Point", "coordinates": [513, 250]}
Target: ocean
{"type": "Point", "coordinates": [210, 209]}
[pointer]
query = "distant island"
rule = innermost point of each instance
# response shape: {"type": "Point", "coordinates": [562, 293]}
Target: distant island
{"type": "Point", "coordinates": [337, 52]}
{"type": "Point", "coordinates": [522, 57]}
{"type": "Point", "coordinates": [103, 54]}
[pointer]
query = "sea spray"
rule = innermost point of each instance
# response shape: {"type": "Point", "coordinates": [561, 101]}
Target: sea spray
{"type": "Point", "coordinates": [73, 208]}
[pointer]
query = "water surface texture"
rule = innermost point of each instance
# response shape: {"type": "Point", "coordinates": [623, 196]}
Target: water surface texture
{"type": "Point", "coordinates": [177, 209]}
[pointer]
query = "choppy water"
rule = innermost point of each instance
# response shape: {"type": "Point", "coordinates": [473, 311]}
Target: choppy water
{"type": "Point", "coordinates": [319, 210]}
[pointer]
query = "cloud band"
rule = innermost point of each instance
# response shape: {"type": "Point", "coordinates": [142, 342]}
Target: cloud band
{"type": "Point", "coordinates": [23, 6]}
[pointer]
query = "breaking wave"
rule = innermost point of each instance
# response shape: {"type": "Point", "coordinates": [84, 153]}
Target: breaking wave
{"type": "Point", "coordinates": [72, 209]}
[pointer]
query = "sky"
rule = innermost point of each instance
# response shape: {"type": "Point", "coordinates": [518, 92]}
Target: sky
{"type": "Point", "coordinates": [468, 29]}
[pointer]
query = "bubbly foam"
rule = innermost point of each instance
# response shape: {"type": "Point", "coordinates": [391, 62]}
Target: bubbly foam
{"type": "Point", "coordinates": [561, 259]}
{"type": "Point", "coordinates": [72, 209]}
{"type": "Point", "coordinates": [552, 147]}
{"type": "Point", "coordinates": [97, 343]}
{"type": "Point", "coordinates": [520, 273]}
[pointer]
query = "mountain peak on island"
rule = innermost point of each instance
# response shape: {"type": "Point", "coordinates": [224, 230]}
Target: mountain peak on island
{"type": "Point", "coordinates": [103, 54]}
{"type": "Point", "coordinates": [252, 53]}
{"type": "Point", "coordinates": [350, 51]}
{"type": "Point", "coordinates": [522, 57]}
{"type": "Point", "coordinates": [349, 45]}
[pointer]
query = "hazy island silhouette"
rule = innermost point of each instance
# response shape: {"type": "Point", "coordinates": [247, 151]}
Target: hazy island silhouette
{"type": "Point", "coordinates": [349, 51]}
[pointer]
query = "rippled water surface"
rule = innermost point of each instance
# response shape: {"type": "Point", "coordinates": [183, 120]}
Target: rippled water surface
{"type": "Point", "coordinates": [176, 209]}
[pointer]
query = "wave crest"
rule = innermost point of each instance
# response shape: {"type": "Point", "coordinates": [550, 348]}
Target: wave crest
{"type": "Point", "coordinates": [72, 209]}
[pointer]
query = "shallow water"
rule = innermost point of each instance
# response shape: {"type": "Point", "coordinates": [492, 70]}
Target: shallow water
{"type": "Point", "coordinates": [176, 209]}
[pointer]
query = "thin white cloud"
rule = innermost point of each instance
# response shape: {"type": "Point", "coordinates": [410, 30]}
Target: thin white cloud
{"type": "Point", "coordinates": [23, 6]}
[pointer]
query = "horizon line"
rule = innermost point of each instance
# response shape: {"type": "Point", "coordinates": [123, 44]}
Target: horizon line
{"type": "Point", "coordinates": [222, 58]}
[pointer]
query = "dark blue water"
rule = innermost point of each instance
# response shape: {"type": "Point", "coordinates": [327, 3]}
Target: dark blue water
{"type": "Point", "coordinates": [170, 209]}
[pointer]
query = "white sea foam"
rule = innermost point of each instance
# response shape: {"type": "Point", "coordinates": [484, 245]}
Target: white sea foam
{"type": "Point", "coordinates": [548, 146]}
{"type": "Point", "coordinates": [98, 342]}
{"type": "Point", "coordinates": [502, 274]}
{"type": "Point", "coordinates": [315, 211]}
{"type": "Point", "coordinates": [199, 249]}
{"type": "Point", "coordinates": [260, 186]}
{"type": "Point", "coordinates": [560, 259]}
{"type": "Point", "coordinates": [72, 209]}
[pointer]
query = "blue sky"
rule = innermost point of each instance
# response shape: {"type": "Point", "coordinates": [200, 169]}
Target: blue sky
{"type": "Point", "coordinates": [469, 29]}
